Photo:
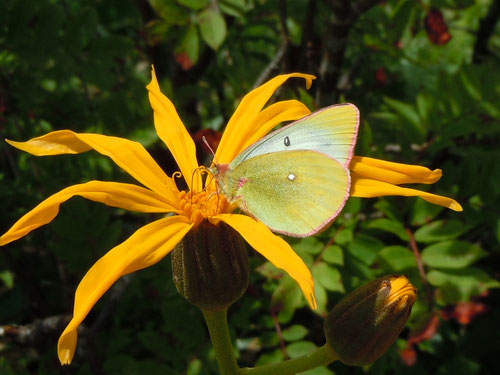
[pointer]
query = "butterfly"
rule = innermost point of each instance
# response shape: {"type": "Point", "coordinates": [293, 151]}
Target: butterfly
{"type": "Point", "coordinates": [296, 180]}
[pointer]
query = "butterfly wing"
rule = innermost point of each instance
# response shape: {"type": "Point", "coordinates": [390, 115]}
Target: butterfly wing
{"type": "Point", "coordinates": [293, 192]}
{"type": "Point", "coordinates": [331, 130]}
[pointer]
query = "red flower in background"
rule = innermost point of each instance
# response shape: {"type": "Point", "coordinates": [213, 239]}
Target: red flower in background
{"type": "Point", "coordinates": [184, 61]}
{"type": "Point", "coordinates": [436, 27]}
{"type": "Point", "coordinates": [381, 76]}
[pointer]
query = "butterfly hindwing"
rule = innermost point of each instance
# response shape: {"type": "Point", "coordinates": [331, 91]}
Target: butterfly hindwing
{"type": "Point", "coordinates": [293, 192]}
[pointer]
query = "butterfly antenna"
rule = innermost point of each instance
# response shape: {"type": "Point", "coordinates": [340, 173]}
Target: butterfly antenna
{"type": "Point", "coordinates": [210, 148]}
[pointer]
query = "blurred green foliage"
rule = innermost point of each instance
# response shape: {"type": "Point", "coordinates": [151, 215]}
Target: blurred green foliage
{"type": "Point", "coordinates": [425, 76]}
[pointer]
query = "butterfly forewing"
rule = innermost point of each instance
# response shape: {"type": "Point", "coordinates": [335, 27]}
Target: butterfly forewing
{"type": "Point", "coordinates": [292, 192]}
{"type": "Point", "coordinates": [331, 130]}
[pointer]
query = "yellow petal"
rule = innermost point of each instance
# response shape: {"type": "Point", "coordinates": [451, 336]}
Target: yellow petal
{"type": "Point", "coordinates": [288, 110]}
{"type": "Point", "coordinates": [368, 188]}
{"type": "Point", "coordinates": [54, 143]}
{"type": "Point", "coordinates": [127, 196]}
{"type": "Point", "coordinates": [129, 155]}
{"type": "Point", "coordinates": [274, 249]}
{"type": "Point", "coordinates": [144, 248]}
{"type": "Point", "coordinates": [173, 133]}
{"type": "Point", "coordinates": [393, 173]}
{"type": "Point", "coordinates": [241, 126]}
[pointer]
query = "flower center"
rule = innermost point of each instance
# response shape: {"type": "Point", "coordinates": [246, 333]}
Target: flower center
{"type": "Point", "coordinates": [198, 206]}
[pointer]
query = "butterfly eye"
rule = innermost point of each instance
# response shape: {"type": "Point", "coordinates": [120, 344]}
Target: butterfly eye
{"type": "Point", "coordinates": [287, 141]}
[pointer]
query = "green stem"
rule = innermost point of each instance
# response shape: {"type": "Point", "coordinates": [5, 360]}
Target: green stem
{"type": "Point", "coordinates": [320, 357]}
{"type": "Point", "coordinates": [221, 340]}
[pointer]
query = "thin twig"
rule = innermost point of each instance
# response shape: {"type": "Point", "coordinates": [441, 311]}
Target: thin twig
{"type": "Point", "coordinates": [344, 16]}
{"type": "Point", "coordinates": [33, 332]}
{"type": "Point", "coordinates": [277, 327]}
{"type": "Point", "coordinates": [282, 50]}
{"type": "Point", "coordinates": [273, 65]}
{"type": "Point", "coordinates": [420, 266]}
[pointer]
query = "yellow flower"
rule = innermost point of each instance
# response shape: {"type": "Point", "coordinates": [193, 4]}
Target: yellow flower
{"type": "Point", "coordinates": [365, 323]}
{"type": "Point", "coordinates": [187, 209]}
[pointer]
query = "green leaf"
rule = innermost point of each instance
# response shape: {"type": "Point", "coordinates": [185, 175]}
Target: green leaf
{"type": "Point", "coordinates": [190, 44]}
{"type": "Point", "coordinates": [471, 83]}
{"type": "Point", "coordinates": [391, 226]}
{"type": "Point", "coordinates": [440, 231]}
{"type": "Point", "coordinates": [288, 296]}
{"type": "Point", "coordinates": [423, 212]}
{"type": "Point", "coordinates": [365, 248]}
{"type": "Point", "coordinates": [424, 106]}
{"type": "Point", "coordinates": [388, 209]}
{"type": "Point", "coordinates": [275, 356]}
{"type": "Point", "coordinates": [452, 254]}
{"type": "Point", "coordinates": [407, 112]}
{"type": "Point", "coordinates": [328, 277]}
{"type": "Point", "coordinates": [295, 332]}
{"type": "Point", "coordinates": [309, 245]}
{"type": "Point", "coordinates": [334, 254]}
{"type": "Point", "coordinates": [194, 4]}
{"type": "Point", "coordinates": [300, 348]}
{"type": "Point", "coordinates": [195, 367]}
{"type": "Point", "coordinates": [461, 285]}
{"type": "Point", "coordinates": [459, 366]}
{"type": "Point", "coordinates": [7, 278]}
{"type": "Point", "coordinates": [235, 8]}
{"type": "Point", "coordinates": [321, 299]}
{"type": "Point", "coordinates": [212, 27]}
{"type": "Point", "coordinates": [6, 369]}
{"type": "Point", "coordinates": [344, 236]}
{"type": "Point", "coordinates": [170, 12]}
{"type": "Point", "coordinates": [397, 258]}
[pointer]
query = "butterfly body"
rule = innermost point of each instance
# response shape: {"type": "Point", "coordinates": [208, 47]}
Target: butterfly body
{"type": "Point", "coordinates": [295, 180]}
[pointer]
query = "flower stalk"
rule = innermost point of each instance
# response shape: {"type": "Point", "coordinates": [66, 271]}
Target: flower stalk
{"type": "Point", "coordinates": [320, 357]}
{"type": "Point", "coordinates": [221, 341]}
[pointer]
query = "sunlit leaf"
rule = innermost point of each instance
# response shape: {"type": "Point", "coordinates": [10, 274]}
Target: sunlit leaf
{"type": "Point", "coordinates": [329, 277]}
{"type": "Point", "coordinates": [295, 332]}
{"type": "Point", "coordinates": [397, 258]}
{"type": "Point", "coordinates": [439, 231]}
{"type": "Point", "coordinates": [390, 226]}
{"type": "Point", "coordinates": [212, 27]}
{"type": "Point", "coordinates": [194, 4]}
{"type": "Point", "coordinates": [300, 348]}
{"type": "Point", "coordinates": [334, 255]}
{"type": "Point", "coordinates": [452, 254]}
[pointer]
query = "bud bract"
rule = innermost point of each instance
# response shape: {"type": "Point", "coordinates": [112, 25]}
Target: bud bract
{"type": "Point", "coordinates": [366, 322]}
{"type": "Point", "coordinates": [210, 266]}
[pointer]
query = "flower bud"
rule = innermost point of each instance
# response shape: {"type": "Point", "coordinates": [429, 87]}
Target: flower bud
{"type": "Point", "coordinates": [210, 266]}
{"type": "Point", "coordinates": [366, 322]}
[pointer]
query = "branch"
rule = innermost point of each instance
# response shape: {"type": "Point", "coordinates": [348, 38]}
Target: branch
{"type": "Point", "coordinates": [282, 51]}
{"type": "Point", "coordinates": [34, 332]}
{"type": "Point", "coordinates": [345, 14]}
{"type": "Point", "coordinates": [485, 31]}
